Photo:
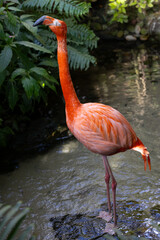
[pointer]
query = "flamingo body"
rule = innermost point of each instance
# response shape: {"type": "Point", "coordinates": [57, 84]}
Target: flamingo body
{"type": "Point", "coordinates": [100, 128]}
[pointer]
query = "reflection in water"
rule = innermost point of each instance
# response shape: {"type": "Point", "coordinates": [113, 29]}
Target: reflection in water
{"type": "Point", "coordinates": [70, 179]}
{"type": "Point", "coordinates": [139, 63]}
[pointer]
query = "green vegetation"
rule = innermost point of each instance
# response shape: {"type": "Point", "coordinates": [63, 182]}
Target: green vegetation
{"type": "Point", "coordinates": [28, 65]}
{"type": "Point", "coordinates": [11, 219]}
{"type": "Point", "coordinates": [120, 9]}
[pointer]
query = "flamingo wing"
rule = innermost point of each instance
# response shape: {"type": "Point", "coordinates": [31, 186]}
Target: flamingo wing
{"type": "Point", "coordinates": [102, 129]}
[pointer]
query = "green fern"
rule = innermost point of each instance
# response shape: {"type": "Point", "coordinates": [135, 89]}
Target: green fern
{"type": "Point", "coordinates": [80, 58]}
{"type": "Point", "coordinates": [69, 7]}
{"type": "Point", "coordinates": [81, 34]}
{"type": "Point", "coordinates": [10, 221]}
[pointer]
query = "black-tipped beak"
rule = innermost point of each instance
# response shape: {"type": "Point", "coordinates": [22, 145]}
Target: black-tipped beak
{"type": "Point", "coordinates": [39, 21]}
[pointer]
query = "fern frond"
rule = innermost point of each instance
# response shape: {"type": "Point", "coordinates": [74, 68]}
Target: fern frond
{"type": "Point", "coordinates": [73, 8]}
{"type": "Point", "coordinates": [11, 221]}
{"type": "Point", "coordinates": [69, 7]}
{"type": "Point", "coordinates": [79, 58]}
{"type": "Point", "coordinates": [81, 33]}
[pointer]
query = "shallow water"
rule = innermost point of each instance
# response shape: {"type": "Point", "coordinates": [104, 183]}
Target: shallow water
{"type": "Point", "coordinates": [69, 178]}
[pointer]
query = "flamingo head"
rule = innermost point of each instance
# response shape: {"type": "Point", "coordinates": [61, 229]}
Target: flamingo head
{"type": "Point", "coordinates": [57, 26]}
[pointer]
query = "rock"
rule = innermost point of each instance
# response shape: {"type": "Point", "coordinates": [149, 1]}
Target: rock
{"type": "Point", "coordinates": [131, 223]}
{"type": "Point", "coordinates": [79, 226]}
{"type": "Point", "coordinates": [130, 38]}
{"type": "Point", "coordinates": [137, 30]}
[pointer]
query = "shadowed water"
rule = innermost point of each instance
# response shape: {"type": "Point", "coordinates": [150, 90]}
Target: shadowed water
{"type": "Point", "coordinates": [69, 179]}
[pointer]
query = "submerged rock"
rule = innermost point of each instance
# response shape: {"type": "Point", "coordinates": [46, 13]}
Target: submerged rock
{"type": "Point", "coordinates": [133, 223]}
{"type": "Point", "coordinates": [80, 227]}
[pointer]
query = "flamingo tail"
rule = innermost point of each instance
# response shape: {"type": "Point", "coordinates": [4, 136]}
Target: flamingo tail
{"type": "Point", "coordinates": [145, 154]}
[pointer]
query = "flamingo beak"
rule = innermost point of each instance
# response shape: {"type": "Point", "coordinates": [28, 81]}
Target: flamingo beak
{"type": "Point", "coordinates": [39, 21]}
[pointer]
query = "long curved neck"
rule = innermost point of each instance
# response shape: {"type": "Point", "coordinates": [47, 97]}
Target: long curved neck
{"type": "Point", "coordinates": [68, 90]}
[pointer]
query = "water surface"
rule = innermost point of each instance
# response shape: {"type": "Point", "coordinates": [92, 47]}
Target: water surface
{"type": "Point", "coordinates": [69, 178]}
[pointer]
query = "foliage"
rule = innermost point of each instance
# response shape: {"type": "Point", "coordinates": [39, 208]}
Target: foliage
{"type": "Point", "coordinates": [10, 222]}
{"type": "Point", "coordinates": [28, 55]}
{"type": "Point", "coordinates": [119, 8]}
{"type": "Point", "coordinates": [69, 7]}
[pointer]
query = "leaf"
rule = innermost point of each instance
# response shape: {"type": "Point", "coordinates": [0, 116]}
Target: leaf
{"type": "Point", "coordinates": [25, 16]}
{"type": "Point", "coordinates": [81, 33]}
{"type": "Point", "coordinates": [2, 9]}
{"type": "Point", "coordinates": [49, 62]}
{"type": "Point", "coordinates": [10, 222]}
{"type": "Point", "coordinates": [26, 232]}
{"type": "Point", "coordinates": [15, 9]}
{"type": "Point", "coordinates": [51, 86]}
{"type": "Point", "coordinates": [24, 59]}
{"type": "Point", "coordinates": [34, 46]}
{"type": "Point", "coordinates": [11, 23]}
{"type": "Point", "coordinates": [42, 72]}
{"type": "Point", "coordinates": [33, 30]}
{"type": "Point", "coordinates": [12, 18]}
{"type": "Point", "coordinates": [10, 213]}
{"type": "Point", "coordinates": [18, 72]}
{"type": "Point", "coordinates": [30, 86]}
{"type": "Point", "coordinates": [11, 228]}
{"type": "Point", "coordinates": [5, 57]}
{"type": "Point", "coordinates": [79, 58]}
{"type": "Point", "coordinates": [69, 7]}
{"type": "Point", "coordinates": [4, 209]}
{"type": "Point", "coordinates": [12, 96]}
{"type": "Point", "coordinates": [2, 34]}
{"type": "Point", "coordinates": [2, 77]}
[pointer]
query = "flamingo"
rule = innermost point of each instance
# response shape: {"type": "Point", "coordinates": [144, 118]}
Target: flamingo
{"type": "Point", "coordinates": [100, 128]}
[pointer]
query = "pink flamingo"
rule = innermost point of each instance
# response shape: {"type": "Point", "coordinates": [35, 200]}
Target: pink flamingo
{"type": "Point", "coordinates": [100, 128]}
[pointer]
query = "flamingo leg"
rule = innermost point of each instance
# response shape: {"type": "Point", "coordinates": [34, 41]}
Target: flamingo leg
{"type": "Point", "coordinates": [107, 178]}
{"type": "Point", "coordinates": [114, 185]}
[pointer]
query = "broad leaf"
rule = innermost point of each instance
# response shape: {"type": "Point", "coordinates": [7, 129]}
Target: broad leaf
{"type": "Point", "coordinates": [25, 16]}
{"type": "Point", "coordinates": [42, 72]}
{"type": "Point", "coordinates": [11, 23]}
{"type": "Point", "coordinates": [18, 72]}
{"type": "Point", "coordinates": [33, 30]}
{"type": "Point", "coordinates": [5, 57]}
{"type": "Point", "coordinates": [51, 86]}
{"type": "Point", "coordinates": [12, 96]}
{"type": "Point", "coordinates": [15, 9]}
{"type": "Point", "coordinates": [30, 86]}
{"type": "Point", "coordinates": [49, 63]}
{"type": "Point", "coordinates": [24, 59]}
{"type": "Point", "coordinates": [34, 46]}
